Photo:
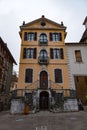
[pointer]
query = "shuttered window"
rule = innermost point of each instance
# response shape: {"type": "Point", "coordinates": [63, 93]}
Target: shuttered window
{"type": "Point", "coordinates": [29, 76]}
{"type": "Point", "coordinates": [58, 76]}
{"type": "Point", "coordinates": [55, 37]}
{"type": "Point", "coordinates": [29, 53]}
{"type": "Point", "coordinates": [56, 53]}
{"type": "Point", "coordinates": [30, 36]}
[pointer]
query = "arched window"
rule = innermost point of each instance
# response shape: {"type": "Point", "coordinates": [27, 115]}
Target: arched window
{"type": "Point", "coordinates": [43, 57]}
{"type": "Point", "coordinates": [43, 39]}
{"type": "Point", "coordinates": [43, 53]}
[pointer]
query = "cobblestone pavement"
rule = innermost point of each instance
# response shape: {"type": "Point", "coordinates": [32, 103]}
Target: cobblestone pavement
{"type": "Point", "coordinates": [44, 120]}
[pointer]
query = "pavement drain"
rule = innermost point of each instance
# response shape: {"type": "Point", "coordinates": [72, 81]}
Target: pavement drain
{"type": "Point", "coordinates": [41, 128]}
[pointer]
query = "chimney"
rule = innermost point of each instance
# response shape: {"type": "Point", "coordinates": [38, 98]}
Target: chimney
{"type": "Point", "coordinates": [23, 23]}
{"type": "Point", "coordinates": [43, 16]}
{"type": "Point", "coordinates": [62, 23]}
{"type": "Point", "coordinates": [85, 22]}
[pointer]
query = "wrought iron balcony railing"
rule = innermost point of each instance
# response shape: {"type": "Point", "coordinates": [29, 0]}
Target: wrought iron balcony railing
{"type": "Point", "coordinates": [43, 60]}
{"type": "Point", "coordinates": [52, 86]}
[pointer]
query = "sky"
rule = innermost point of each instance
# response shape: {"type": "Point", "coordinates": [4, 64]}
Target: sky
{"type": "Point", "coordinates": [14, 12]}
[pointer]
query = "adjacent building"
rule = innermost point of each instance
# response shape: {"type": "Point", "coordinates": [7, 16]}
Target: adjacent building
{"type": "Point", "coordinates": [6, 68]}
{"type": "Point", "coordinates": [77, 65]}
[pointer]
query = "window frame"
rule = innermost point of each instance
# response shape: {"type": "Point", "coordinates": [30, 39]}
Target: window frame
{"type": "Point", "coordinates": [78, 58]}
{"type": "Point", "coordinates": [43, 39]}
{"type": "Point", "coordinates": [32, 51]}
{"type": "Point", "coordinates": [30, 36]}
{"type": "Point", "coordinates": [57, 53]}
{"type": "Point", "coordinates": [61, 76]}
{"type": "Point", "coordinates": [43, 53]}
{"type": "Point", "coordinates": [30, 76]}
{"type": "Point", "coordinates": [56, 37]}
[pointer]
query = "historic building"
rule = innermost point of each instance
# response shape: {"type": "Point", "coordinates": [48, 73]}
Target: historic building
{"type": "Point", "coordinates": [77, 65]}
{"type": "Point", "coordinates": [43, 69]}
{"type": "Point", "coordinates": [6, 68]}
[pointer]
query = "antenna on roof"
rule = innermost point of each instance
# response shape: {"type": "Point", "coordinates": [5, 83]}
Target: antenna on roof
{"type": "Point", "coordinates": [23, 22]}
{"type": "Point", "coordinates": [43, 16]}
{"type": "Point", "coordinates": [62, 23]}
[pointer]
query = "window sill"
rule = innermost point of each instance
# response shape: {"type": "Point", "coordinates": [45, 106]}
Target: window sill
{"type": "Point", "coordinates": [79, 62]}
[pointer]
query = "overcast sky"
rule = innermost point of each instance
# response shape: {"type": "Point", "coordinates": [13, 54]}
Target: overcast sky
{"type": "Point", "coordinates": [14, 12]}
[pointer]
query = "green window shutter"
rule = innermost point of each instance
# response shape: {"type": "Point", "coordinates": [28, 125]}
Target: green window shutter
{"type": "Point", "coordinates": [25, 36]}
{"type": "Point", "coordinates": [62, 53]}
{"type": "Point", "coordinates": [60, 37]}
{"type": "Point", "coordinates": [35, 53]}
{"type": "Point", "coordinates": [35, 38]}
{"type": "Point", "coordinates": [50, 36]}
{"type": "Point", "coordinates": [24, 53]}
{"type": "Point", "coordinates": [51, 53]}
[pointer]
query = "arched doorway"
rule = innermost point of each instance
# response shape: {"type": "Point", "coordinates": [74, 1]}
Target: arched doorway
{"type": "Point", "coordinates": [44, 100]}
{"type": "Point", "coordinates": [43, 80]}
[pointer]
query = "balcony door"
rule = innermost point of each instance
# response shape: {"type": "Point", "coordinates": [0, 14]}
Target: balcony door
{"type": "Point", "coordinates": [43, 80]}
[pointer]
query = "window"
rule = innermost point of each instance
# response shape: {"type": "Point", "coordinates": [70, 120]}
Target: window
{"type": "Point", "coordinates": [43, 39]}
{"type": "Point", "coordinates": [43, 53]}
{"type": "Point", "coordinates": [78, 56]}
{"type": "Point", "coordinates": [58, 76]}
{"type": "Point", "coordinates": [56, 53]}
{"type": "Point", "coordinates": [55, 37]}
{"type": "Point", "coordinates": [43, 57]}
{"type": "Point", "coordinates": [29, 36]}
{"type": "Point", "coordinates": [29, 76]}
{"type": "Point", "coordinates": [29, 53]}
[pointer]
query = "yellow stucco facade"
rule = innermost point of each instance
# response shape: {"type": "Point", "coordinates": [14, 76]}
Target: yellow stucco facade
{"type": "Point", "coordinates": [54, 63]}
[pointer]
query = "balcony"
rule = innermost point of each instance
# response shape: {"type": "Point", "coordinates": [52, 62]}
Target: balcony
{"type": "Point", "coordinates": [43, 42]}
{"type": "Point", "coordinates": [43, 60]}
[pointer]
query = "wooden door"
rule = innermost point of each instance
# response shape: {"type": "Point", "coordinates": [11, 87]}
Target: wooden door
{"type": "Point", "coordinates": [43, 80]}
